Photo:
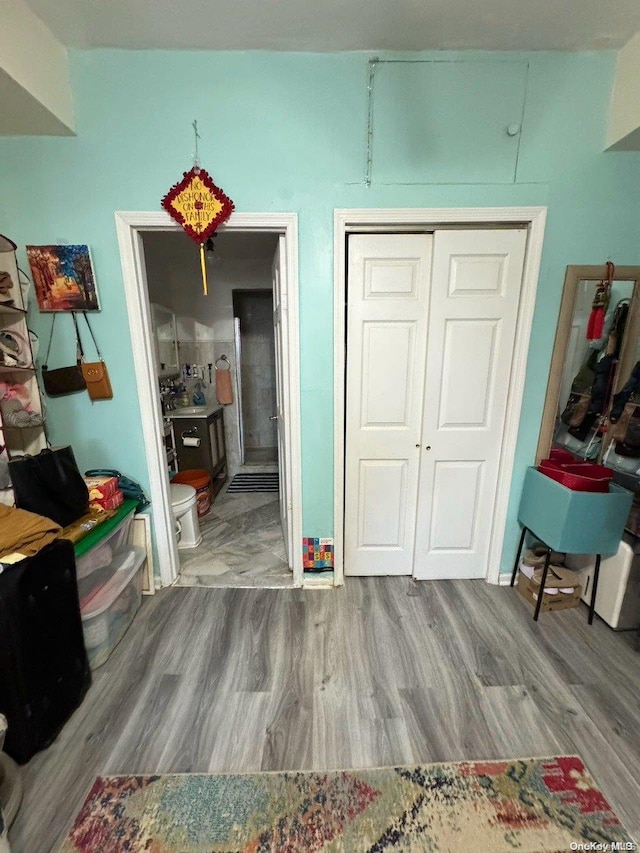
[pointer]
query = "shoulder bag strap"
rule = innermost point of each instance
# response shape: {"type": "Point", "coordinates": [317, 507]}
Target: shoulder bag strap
{"type": "Point", "coordinates": [79, 350]}
{"type": "Point", "coordinates": [46, 358]}
{"type": "Point", "coordinates": [93, 337]}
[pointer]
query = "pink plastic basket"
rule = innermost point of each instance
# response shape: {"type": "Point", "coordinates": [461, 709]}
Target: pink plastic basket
{"type": "Point", "coordinates": [564, 457]}
{"type": "Point", "coordinates": [579, 476]}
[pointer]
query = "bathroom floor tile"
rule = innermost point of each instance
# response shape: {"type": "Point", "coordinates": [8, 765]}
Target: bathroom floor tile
{"type": "Point", "coordinates": [255, 468]}
{"type": "Point", "coordinates": [260, 454]}
{"type": "Point", "coordinates": [242, 545]}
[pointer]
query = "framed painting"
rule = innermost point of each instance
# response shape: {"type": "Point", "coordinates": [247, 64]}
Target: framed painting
{"type": "Point", "coordinates": [63, 278]}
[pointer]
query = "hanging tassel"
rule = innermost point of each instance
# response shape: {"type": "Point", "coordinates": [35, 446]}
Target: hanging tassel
{"type": "Point", "coordinates": [595, 326]}
{"type": "Point", "coordinates": [203, 267]}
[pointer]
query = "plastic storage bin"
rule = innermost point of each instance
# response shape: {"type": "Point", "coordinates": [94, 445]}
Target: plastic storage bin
{"type": "Point", "coordinates": [573, 522]}
{"type": "Point", "coordinates": [109, 610]}
{"type": "Point", "coordinates": [566, 457]}
{"type": "Point", "coordinates": [579, 476]}
{"type": "Point", "coordinates": [99, 564]}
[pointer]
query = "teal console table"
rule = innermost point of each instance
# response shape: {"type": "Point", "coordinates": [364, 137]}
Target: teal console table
{"type": "Point", "coordinates": [571, 522]}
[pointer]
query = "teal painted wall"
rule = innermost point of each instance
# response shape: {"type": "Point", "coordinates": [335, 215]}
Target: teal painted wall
{"type": "Point", "coordinates": [286, 132]}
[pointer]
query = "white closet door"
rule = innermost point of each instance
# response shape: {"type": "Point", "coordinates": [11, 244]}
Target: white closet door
{"type": "Point", "coordinates": [388, 298]}
{"type": "Point", "coordinates": [476, 284]}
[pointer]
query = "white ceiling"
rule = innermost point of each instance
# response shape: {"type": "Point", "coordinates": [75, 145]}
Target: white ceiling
{"type": "Point", "coordinates": [24, 115]}
{"type": "Point", "coordinates": [333, 25]}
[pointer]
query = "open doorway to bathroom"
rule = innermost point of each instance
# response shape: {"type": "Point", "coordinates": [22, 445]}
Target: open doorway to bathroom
{"type": "Point", "coordinates": [248, 532]}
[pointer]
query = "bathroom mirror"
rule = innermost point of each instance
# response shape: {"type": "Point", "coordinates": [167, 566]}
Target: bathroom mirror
{"type": "Point", "coordinates": [587, 373]}
{"type": "Point", "coordinates": [166, 341]}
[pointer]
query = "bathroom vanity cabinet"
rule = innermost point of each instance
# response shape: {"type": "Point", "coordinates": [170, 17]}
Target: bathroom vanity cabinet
{"type": "Point", "coordinates": [206, 424]}
{"type": "Point", "coordinates": [169, 441]}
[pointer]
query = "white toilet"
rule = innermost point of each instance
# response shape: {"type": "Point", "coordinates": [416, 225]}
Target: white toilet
{"type": "Point", "coordinates": [183, 507]}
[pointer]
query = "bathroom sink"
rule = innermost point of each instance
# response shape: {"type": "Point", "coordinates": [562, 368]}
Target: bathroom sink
{"type": "Point", "coordinates": [193, 412]}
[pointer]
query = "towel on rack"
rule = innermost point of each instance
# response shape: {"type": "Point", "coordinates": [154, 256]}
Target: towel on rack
{"type": "Point", "coordinates": [224, 389]}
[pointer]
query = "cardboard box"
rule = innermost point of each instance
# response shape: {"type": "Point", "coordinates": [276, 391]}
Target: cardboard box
{"type": "Point", "coordinates": [558, 577]}
{"type": "Point", "coordinates": [101, 487]}
{"type": "Point", "coordinates": [112, 502]}
{"type": "Point", "coordinates": [529, 589]}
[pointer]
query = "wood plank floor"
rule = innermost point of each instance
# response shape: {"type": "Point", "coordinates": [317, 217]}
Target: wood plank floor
{"type": "Point", "coordinates": [384, 671]}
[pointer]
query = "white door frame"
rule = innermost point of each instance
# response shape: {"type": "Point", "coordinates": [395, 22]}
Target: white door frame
{"type": "Point", "coordinates": [398, 219]}
{"type": "Point", "coordinates": [129, 225]}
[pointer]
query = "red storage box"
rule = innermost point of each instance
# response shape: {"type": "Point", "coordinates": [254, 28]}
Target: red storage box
{"type": "Point", "coordinates": [112, 502]}
{"type": "Point", "coordinates": [101, 487]}
{"type": "Point", "coordinates": [579, 476]}
{"type": "Point", "coordinates": [564, 457]}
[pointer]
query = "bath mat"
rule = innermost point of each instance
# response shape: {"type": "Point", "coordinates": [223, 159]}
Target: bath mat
{"type": "Point", "coordinates": [541, 805]}
{"type": "Point", "coordinates": [254, 483]}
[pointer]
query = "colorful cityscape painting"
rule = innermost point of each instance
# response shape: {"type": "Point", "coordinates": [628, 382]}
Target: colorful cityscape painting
{"type": "Point", "coordinates": [63, 277]}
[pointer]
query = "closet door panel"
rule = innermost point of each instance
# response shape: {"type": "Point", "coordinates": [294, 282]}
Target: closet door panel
{"type": "Point", "coordinates": [386, 389]}
{"type": "Point", "coordinates": [473, 312]}
{"type": "Point", "coordinates": [468, 373]}
{"type": "Point", "coordinates": [388, 297]}
{"type": "Point", "coordinates": [455, 485]}
{"type": "Point", "coordinates": [382, 495]}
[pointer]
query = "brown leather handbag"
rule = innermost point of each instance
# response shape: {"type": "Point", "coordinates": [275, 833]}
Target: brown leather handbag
{"type": "Point", "coordinates": [95, 373]}
{"type": "Point", "coordinates": [619, 430]}
{"type": "Point", "coordinates": [63, 380]}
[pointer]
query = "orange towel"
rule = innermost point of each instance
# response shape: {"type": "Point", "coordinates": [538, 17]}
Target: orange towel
{"type": "Point", "coordinates": [224, 389]}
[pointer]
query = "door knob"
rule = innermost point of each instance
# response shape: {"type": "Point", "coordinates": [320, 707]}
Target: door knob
{"type": "Point", "coordinates": [428, 447]}
{"type": "Point", "coordinates": [273, 418]}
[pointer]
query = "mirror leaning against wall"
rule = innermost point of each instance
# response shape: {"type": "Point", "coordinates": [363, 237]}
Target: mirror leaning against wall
{"type": "Point", "coordinates": [592, 405]}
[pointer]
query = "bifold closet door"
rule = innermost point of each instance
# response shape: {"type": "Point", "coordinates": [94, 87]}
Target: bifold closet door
{"type": "Point", "coordinates": [476, 282]}
{"type": "Point", "coordinates": [388, 302]}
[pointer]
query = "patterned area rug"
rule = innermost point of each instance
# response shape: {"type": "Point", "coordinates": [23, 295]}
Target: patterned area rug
{"type": "Point", "coordinates": [254, 483]}
{"type": "Point", "coordinates": [530, 806]}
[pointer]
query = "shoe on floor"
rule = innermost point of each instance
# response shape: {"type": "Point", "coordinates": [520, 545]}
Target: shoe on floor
{"type": "Point", "coordinates": [536, 557]}
{"type": "Point", "coordinates": [558, 577]}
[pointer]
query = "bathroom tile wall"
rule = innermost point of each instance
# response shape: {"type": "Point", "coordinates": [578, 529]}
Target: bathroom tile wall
{"type": "Point", "coordinates": [255, 311]}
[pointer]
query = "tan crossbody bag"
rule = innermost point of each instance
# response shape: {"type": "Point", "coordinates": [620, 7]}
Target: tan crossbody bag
{"type": "Point", "coordinates": [95, 373]}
